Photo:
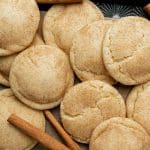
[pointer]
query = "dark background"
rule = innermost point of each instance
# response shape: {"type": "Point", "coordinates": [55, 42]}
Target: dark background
{"type": "Point", "coordinates": [121, 8]}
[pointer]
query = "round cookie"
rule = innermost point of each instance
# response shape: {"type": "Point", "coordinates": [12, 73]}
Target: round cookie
{"type": "Point", "coordinates": [138, 105]}
{"type": "Point", "coordinates": [6, 62]}
{"type": "Point", "coordinates": [119, 134]}
{"type": "Point", "coordinates": [86, 105]}
{"type": "Point", "coordinates": [40, 76]}
{"type": "Point", "coordinates": [61, 22]}
{"type": "Point", "coordinates": [86, 52]}
{"type": "Point", "coordinates": [126, 50]}
{"type": "Point", "coordinates": [11, 137]}
{"type": "Point", "coordinates": [18, 23]}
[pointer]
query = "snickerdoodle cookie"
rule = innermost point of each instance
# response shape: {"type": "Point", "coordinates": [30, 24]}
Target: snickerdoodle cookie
{"type": "Point", "coordinates": [86, 105]}
{"type": "Point", "coordinates": [40, 76]}
{"type": "Point", "coordinates": [61, 22]}
{"type": "Point", "coordinates": [10, 137]}
{"type": "Point", "coordinates": [126, 50]}
{"type": "Point", "coordinates": [18, 24]}
{"type": "Point", "coordinates": [119, 134]}
{"type": "Point", "coordinates": [138, 105]}
{"type": "Point", "coordinates": [86, 52]}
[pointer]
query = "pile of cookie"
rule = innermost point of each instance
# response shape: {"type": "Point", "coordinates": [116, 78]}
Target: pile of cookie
{"type": "Point", "coordinates": [40, 55]}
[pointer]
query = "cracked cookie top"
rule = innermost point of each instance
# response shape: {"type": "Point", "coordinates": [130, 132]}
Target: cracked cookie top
{"type": "Point", "coordinates": [126, 50]}
{"type": "Point", "coordinates": [86, 52]}
{"type": "Point", "coordinates": [19, 21]}
{"type": "Point", "coordinates": [40, 76]}
{"type": "Point", "coordinates": [119, 134]}
{"type": "Point", "coordinates": [138, 105]}
{"type": "Point", "coordinates": [86, 105]}
{"type": "Point", "coordinates": [61, 22]}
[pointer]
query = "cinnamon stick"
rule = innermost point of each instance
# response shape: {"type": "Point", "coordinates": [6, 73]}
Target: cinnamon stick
{"type": "Point", "coordinates": [58, 1]}
{"type": "Point", "coordinates": [37, 134]}
{"type": "Point", "coordinates": [71, 144]}
{"type": "Point", "coordinates": [147, 8]}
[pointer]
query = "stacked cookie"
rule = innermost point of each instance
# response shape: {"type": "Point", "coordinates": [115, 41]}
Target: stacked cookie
{"type": "Point", "coordinates": [39, 57]}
